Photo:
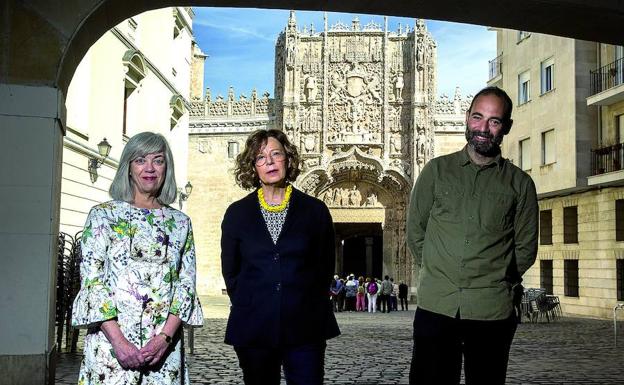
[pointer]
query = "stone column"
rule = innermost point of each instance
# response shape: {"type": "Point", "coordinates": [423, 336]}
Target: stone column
{"type": "Point", "coordinates": [30, 181]}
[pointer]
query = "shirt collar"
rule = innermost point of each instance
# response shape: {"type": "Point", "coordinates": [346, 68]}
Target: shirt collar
{"type": "Point", "coordinates": [464, 158]}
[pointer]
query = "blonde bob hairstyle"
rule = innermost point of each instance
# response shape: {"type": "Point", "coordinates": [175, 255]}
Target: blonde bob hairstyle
{"type": "Point", "coordinates": [138, 146]}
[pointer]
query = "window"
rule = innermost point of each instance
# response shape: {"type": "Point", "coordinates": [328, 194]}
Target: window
{"type": "Point", "coordinates": [525, 154]}
{"type": "Point", "coordinates": [546, 275]}
{"type": "Point", "coordinates": [135, 73]}
{"type": "Point", "coordinates": [178, 23]}
{"type": "Point", "coordinates": [232, 149]}
{"type": "Point", "coordinates": [547, 70]}
{"type": "Point", "coordinates": [570, 224]}
{"type": "Point", "coordinates": [570, 278]}
{"type": "Point", "coordinates": [619, 128]}
{"type": "Point", "coordinates": [619, 220]}
{"type": "Point", "coordinates": [619, 271]}
{"type": "Point", "coordinates": [524, 87]}
{"type": "Point", "coordinates": [545, 227]}
{"type": "Point", "coordinates": [176, 109]}
{"type": "Point", "coordinates": [548, 147]}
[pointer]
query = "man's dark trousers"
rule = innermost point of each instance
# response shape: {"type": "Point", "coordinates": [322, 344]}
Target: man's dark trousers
{"type": "Point", "coordinates": [439, 342]}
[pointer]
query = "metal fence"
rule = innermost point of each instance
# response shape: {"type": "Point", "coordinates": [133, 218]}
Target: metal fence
{"type": "Point", "coordinates": [495, 66]}
{"type": "Point", "coordinates": [607, 159]}
{"type": "Point", "coordinates": [608, 76]}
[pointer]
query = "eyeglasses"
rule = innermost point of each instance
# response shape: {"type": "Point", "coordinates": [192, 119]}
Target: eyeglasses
{"type": "Point", "coordinates": [276, 156]}
{"type": "Point", "coordinates": [492, 123]}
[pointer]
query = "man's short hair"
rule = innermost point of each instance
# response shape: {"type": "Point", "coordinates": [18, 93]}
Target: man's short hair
{"type": "Point", "coordinates": [501, 94]}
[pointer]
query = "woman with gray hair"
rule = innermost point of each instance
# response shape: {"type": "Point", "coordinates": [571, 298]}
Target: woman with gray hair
{"type": "Point", "coordinates": [137, 274]}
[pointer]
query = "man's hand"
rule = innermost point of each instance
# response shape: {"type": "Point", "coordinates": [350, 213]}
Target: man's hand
{"type": "Point", "coordinates": [155, 350]}
{"type": "Point", "coordinates": [127, 354]}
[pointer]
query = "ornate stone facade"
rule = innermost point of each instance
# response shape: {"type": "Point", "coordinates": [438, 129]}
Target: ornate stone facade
{"type": "Point", "coordinates": [357, 99]}
{"type": "Point", "coordinates": [359, 102]}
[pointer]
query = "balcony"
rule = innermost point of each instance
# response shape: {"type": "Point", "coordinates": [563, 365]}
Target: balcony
{"type": "Point", "coordinates": [606, 164]}
{"type": "Point", "coordinates": [607, 84]}
{"type": "Point", "coordinates": [495, 69]}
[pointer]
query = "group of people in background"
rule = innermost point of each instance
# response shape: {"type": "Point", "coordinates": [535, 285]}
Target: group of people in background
{"type": "Point", "coordinates": [367, 294]}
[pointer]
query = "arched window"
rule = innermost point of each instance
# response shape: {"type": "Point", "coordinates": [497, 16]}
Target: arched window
{"type": "Point", "coordinates": [177, 109]}
{"type": "Point", "coordinates": [135, 69]}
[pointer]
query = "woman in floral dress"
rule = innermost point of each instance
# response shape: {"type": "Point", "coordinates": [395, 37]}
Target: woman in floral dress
{"type": "Point", "coordinates": [138, 275]}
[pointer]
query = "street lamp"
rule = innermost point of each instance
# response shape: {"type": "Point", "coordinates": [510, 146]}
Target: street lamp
{"type": "Point", "coordinates": [184, 195]}
{"type": "Point", "coordinates": [94, 163]}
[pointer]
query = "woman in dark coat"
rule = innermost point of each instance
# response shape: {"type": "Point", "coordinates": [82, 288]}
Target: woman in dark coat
{"type": "Point", "coordinates": [277, 259]}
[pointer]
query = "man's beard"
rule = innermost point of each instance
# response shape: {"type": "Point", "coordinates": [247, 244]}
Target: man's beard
{"type": "Point", "coordinates": [488, 148]}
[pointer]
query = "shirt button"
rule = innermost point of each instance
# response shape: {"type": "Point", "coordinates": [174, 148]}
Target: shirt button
{"type": "Point", "coordinates": [278, 287]}
{"type": "Point", "coordinates": [471, 217]}
{"type": "Point", "coordinates": [276, 257]}
{"type": "Point", "coordinates": [467, 242]}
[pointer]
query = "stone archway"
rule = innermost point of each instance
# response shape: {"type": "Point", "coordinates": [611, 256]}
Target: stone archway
{"type": "Point", "coordinates": [361, 189]}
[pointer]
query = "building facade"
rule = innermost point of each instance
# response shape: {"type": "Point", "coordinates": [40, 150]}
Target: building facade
{"type": "Point", "coordinates": [565, 135]}
{"type": "Point", "coordinates": [359, 102]}
{"type": "Point", "coordinates": [135, 78]}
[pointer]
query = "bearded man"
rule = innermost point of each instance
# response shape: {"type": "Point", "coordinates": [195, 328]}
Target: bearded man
{"type": "Point", "coordinates": [472, 229]}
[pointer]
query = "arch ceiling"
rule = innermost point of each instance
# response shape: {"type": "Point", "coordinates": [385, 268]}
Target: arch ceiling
{"type": "Point", "coordinates": [44, 40]}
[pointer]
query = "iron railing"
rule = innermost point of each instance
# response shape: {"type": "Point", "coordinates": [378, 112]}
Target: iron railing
{"type": "Point", "coordinates": [495, 67]}
{"type": "Point", "coordinates": [607, 159]}
{"type": "Point", "coordinates": [607, 77]}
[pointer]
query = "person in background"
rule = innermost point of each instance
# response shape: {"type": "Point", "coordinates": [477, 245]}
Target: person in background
{"type": "Point", "coordinates": [393, 295]}
{"type": "Point", "coordinates": [272, 240]}
{"type": "Point", "coordinates": [137, 274]}
{"type": "Point", "coordinates": [384, 295]}
{"type": "Point", "coordinates": [403, 295]}
{"type": "Point", "coordinates": [372, 288]}
{"type": "Point", "coordinates": [472, 229]}
{"type": "Point", "coordinates": [351, 288]}
{"type": "Point", "coordinates": [360, 302]}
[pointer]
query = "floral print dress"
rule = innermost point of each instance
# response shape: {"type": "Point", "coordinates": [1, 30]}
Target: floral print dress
{"type": "Point", "coordinates": [138, 265]}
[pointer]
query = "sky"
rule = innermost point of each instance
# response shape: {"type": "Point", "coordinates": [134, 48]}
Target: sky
{"type": "Point", "coordinates": [240, 44]}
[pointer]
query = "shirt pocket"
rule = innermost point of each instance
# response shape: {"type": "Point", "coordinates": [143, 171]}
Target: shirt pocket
{"type": "Point", "coordinates": [447, 203]}
{"type": "Point", "coordinates": [498, 210]}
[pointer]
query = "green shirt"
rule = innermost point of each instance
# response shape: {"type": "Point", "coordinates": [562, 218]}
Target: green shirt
{"type": "Point", "coordinates": [473, 232]}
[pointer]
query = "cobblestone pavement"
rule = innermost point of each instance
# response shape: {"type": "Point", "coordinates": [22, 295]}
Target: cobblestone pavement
{"type": "Point", "coordinates": [568, 351]}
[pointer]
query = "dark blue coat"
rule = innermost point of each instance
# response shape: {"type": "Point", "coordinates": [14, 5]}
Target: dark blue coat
{"type": "Point", "coordinates": [279, 292]}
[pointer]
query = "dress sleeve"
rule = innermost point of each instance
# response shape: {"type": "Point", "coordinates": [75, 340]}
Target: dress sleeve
{"type": "Point", "coordinates": [95, 302]}
{"type": "Point", "coordinates": [185, 303]}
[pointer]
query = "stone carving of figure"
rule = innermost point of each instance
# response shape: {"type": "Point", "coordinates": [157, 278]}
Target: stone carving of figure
{"type": "Point", "coordinates": [355, 197]}
{"type": "Point", "coordinates": [354, 115]}
{"type": "Point", "coordinates": [398, 86]}
{"type": "Point", "coordinates": [371, 199]}
{"type": "Point", "coordinates": [395, 143]}
{"type": "Point", "coordinates": [290, 53]}
{"type": "Point", "coordinates": [344, 197]}
{"type": "Point", "coordinates": [338, 85]}
{"type": "Point", "coordinates": [310, 89]}
{"type": "Point", "coordinates": [421, 142]}
{"type": "Point", "coordinates": [372, 86]}
{"type": "Point", "coordinates": [231, 94]}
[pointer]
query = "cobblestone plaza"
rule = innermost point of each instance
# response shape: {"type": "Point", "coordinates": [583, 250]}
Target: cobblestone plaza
{"type": "Point", "coordinates": [568, 351]}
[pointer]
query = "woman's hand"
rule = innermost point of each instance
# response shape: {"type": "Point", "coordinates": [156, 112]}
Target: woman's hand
{"type": "Point", "coordinates": [127, 354]}
{"type": "Point", "coordinates": [154, 351]}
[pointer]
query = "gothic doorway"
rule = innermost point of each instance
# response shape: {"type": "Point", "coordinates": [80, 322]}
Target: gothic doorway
{"type": "Point", "coordinates": [360, 250]}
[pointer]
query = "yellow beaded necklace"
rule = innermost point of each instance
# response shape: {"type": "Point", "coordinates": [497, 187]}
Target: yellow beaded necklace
{"type": "Point", "coordinates": [278, 208]}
